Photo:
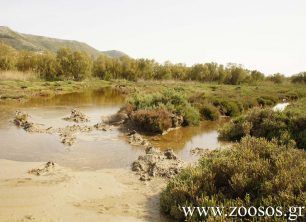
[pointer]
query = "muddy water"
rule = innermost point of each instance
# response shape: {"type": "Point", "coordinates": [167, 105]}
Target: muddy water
{"type": "Point", "coordinates": [94, 150]}
{"type": "Point", "coordinates": [183, 140]}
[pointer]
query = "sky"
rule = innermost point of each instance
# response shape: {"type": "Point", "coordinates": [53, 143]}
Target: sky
{"type": "Point", "coordinates": [267, 35]}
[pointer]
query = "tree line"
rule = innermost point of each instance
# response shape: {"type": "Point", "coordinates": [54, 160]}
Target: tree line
{"type": "Point", "coordinates": [78, 65]}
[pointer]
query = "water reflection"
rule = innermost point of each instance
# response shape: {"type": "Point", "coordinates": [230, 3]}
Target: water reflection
{"type": "Point", "coordinates": [101, 97]}
{"type": "Point", "coordinates": [184, 139]}
{"type": "Point", "coordinates": [97, 149]}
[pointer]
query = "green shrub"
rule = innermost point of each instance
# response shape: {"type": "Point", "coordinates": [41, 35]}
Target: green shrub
{"type": "Point", "coordinates": [228, 108]}
{"type": "Point", "coordinates": [171, 100]}
{"type": "Point", "coordinates": [209, 112]}
{"type": "Point", "coordinates": [299, 78]}
{"type": "Point", "coordinates": [254, 172]}
{"type": "Point", "coordinates": [47, 66]}
{"type": "Point", "coordinates": [7, 57]}
{"type": "Point", "coordinates": [266, 101]}
{"type": "Point", "coordinates": [154, 120]}
{"type": "Point", "coordinates": [190, 114]}
{"type": "Point", "coordinates": [74, 65]}
{"type": "Point", "coordinates": [249, 103]}
{"type": "Point", "coordinates": [287, 127]}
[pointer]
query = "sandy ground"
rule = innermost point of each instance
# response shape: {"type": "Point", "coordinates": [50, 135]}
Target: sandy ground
{"type": "Point", "coordinates": [66, 195]}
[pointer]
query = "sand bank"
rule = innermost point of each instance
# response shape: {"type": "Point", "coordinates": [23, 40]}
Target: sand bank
{"type": "Point", "coordinates": [61, 194]}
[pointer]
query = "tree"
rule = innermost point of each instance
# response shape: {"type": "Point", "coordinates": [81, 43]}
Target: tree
{"type": "Point", "coordinates": [7, 57]}
{"type": "Point", "coordinates": [73, 65]}
{"type": "Point", "coordinates": [257, 76]}
{"type": "Point", "coordinates": [81, 65]}
{"type": "Point", "coordinates": [47, 66]}
{"type": "Point", "coordinates": [299, 78]}
{"type": "Point", "coordinates": [102, 67]}
{"type": "Point", "coordinates": [236, 74]}
{"type": "Point", "coordinates": [128, 68]}
{"type": "Point", "coordinates": [277, 78]}
{"type": "Point", "coordinates": [146, 68]}
{"type": "Point", "coordinates": [26, 61]}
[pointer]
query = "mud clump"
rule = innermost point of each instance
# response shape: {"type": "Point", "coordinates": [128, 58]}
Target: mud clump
{"type": "Point", "coordinates": [177, 120]}
{"type": "Point", "coordinates": [124, 89]}
{"type": "Point", "coordinates": [75, 129]}
{"type": "Point", "coordinates": [67, 139]}
{"type": "Point", "coordinates": [136, 139]}
{"type": "Point", "coordinates": [199, 151]}
{"type": "Point", "coordinates": [102, 127]}
{"type": "Point", "coordinates": [157, 164]}
{"type": "Point", "coordinates": [22, 120]}
{"type": "Point", "coordinates": [77, 117]}
{"type": "Point", "coordinates": [67, 133]}
{"type": "Point", "coordinates": [117, 119]}
{"type": "Point", "coordinates": [47, 168]}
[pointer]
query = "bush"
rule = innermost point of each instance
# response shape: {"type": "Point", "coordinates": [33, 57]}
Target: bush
{"type": "Point", "coordinates": [277, 78]}
{"type": "Point", "coordinates": [7, 57]}
{"type": "Point", "coordinates": [286, 127]}
{"type": "Point", "coordinates": [254, 172]}
{"type": "Point", "coordinates": [299, 78]}
{"type": "Point", "coordinates": [103, 67]}
{"type": "Point", "coordinates": [228, 108]}
{"type": "Point", "coordinates": [209, 112]}
{"type": "Point", "coordinates": [190, 114]}
{"type": "Point", "coordinates": [154, 120]}
{"type": "Point", "coordinates": [47, 66]}
{"type": "Point", "coordinates": [74, 65]}
{"type": "Point", "coordinates": [171, 100]}
{"type": "Point", "coordinates": [26, 61]}
{"type": "Point", "coordinates": [266, 101]}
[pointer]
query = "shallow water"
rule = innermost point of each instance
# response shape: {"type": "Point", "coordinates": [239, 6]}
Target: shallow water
{"type": "Point", "coordinates": [94, 150]}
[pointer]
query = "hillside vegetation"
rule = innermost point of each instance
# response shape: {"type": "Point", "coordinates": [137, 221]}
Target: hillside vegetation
{"type": "Point", "coordinates": [68, 64]}
{"type": "Point", "coordinates": [36, 43]}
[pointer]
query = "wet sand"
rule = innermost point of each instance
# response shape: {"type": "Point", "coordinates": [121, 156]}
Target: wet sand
{"type": "Point", "coordinates": [68, 195]}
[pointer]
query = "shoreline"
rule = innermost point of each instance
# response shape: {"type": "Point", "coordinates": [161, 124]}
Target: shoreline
{"type": "Point", "coordinates": [73, 195]}
{"type": "Point", "coordinates": [17, 91]}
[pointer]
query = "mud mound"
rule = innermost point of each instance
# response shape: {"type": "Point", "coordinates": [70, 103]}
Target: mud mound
{"type": "Point", "coordinates": [67, 138]}
{"type": "Point", "coordinates": [77, 116]}
{"type": "Point", "coordinates": [116, 119]}
{"type": "Point", "coordinates": [136, 139]}
{"type": "Point", "coordinates": [47, 168]}
{"type": "Point", "coordinates": [75, 129]}
{"type": "Point", "coordinates": [22, 120]}
{"type": "Point", "coordinates": [199, 151]}
{"type": "Point", "coordinates": [67, 133]}
{"type": "Point", "coordinates": [156, 163]}
{"type": "Point", "coordinates": [102, 127]}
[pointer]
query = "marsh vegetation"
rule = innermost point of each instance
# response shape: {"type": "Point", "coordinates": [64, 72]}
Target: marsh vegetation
{"type": "Point", "coordinates": [264, 164]}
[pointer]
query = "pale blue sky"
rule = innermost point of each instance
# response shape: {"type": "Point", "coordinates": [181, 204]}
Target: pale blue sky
{"type": "Point", "coordinates": [268, 35]}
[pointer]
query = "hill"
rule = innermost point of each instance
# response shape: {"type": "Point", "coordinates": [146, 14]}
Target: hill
{"type": "Point", "coordinates": [37, 43]}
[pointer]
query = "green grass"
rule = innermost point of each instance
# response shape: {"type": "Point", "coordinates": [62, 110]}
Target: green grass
{"type": "Point", "coordinates": [10, 90]}
{"type": "Point", "coordinates": [229, 99]}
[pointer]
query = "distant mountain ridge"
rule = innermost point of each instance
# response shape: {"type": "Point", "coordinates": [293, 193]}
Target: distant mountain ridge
{"type": "Point", "coordinates": [37, 43]}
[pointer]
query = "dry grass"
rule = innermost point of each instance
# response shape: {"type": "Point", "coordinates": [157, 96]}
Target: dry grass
{"type": "Point", "coordinates": [16, 75]}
